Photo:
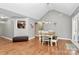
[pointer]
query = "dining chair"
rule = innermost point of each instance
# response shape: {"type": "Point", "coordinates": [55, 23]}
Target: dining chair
{"type": "Point", "coordinates": [40, 36]}
{"type": "Point", "coordinates": [45, 38]}
{"type": "Point", "coordinates": [55, 40]}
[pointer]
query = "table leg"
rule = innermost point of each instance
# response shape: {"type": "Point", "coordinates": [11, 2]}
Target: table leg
{"type": "Point", "coordinates": [48, 43]}
{"type": "Point", "coordinates": [51, 40]}
{"type": "Point", "coordinates": [55, 43]}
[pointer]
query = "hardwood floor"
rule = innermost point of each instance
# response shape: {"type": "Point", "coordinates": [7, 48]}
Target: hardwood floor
{"type": "Point", "coordinates": [32, 47]}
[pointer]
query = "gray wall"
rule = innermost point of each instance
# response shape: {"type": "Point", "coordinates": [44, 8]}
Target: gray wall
{"type": "Point", "coordinates": [31, 28]}
{"type": "Point", "coordinates": [63, 23]}
{"type": "Point", "coordinates": [28, 31]}
{"type": "Point", "coordinates": [8, 29]}
{"type": "Point", "coordinates": [20, 32]}
{"type": "Point", "coordinates": [1, 29]}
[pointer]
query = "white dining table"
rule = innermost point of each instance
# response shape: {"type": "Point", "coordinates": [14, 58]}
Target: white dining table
{"type": "Point", "coordinates": [50, 34]}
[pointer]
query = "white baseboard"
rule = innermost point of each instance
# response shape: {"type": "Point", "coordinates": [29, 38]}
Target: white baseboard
{"type": "Point", "coordinates": [61, 38]}
{"type": "Point", "coordinates": [77, 45]}
{"type": "Point", "coordinates": [6, 37]}
{"type": "Point", "coordinates": [31, 37]}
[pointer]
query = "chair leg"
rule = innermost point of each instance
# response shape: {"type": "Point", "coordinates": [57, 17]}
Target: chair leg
{"type": "Point", "coordinates": [55, 43]}
{"type": "Point", "coordinates": [48, 43]}
{"type": "Point", "coordinates": [57, 46]}
{"type": "Point", "coordinates": [40, 39]}
{"type": "Point", "coordinates": [51, 43]}
{"type": "Point", "coordinates": [42, 42]}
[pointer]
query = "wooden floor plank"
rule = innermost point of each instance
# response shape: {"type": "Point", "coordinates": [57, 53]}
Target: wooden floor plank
{"type": "Point", "coordinates": [32, 47]}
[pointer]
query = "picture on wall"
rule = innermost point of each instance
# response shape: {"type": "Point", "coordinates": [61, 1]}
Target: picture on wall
{"type": "Point", "coordinates": [20, 24]}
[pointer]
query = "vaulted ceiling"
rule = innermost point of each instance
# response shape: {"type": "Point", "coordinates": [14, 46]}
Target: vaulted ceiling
{"type": "Point", "coordinates": [35, 10]}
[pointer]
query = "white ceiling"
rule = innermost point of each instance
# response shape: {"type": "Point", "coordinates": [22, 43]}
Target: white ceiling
{"type": "Point", "coordinates": [67, 8]}
{"type": "Point", "coordinates": [31, 10]}
{"type": "Point", "coordinates": [38, 10]}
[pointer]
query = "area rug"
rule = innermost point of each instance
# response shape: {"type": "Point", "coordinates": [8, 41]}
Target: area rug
{"type": "Point", "coordinates": [71, 46]}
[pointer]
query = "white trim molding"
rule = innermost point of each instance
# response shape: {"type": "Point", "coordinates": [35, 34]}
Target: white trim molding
{"type": "Point", "coordinates": [61, 38]}
{"type": "Point", "coordinates": [6, 37]}
{"type": "Point", "coordinates": [77, 45]}
{"type": "Point", "coordinates": [31, 37]}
